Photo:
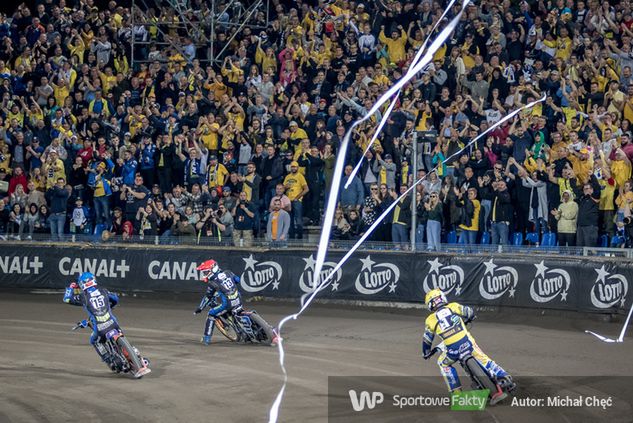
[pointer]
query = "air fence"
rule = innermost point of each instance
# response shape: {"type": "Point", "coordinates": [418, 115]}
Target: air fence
{"type": "Point", "coordinates": [540, 279]}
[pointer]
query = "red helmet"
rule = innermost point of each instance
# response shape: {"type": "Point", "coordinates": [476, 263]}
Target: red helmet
{"type": "Point", "coordinates": [209, 269]}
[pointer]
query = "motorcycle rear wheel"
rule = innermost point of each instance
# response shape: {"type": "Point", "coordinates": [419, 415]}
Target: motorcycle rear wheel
{"type": "Point", "coordinates": [227, 328]}
{"type": "Point", "coordinates": [481, 375]}
{"type": "Point", "coordinates": [263, 332]}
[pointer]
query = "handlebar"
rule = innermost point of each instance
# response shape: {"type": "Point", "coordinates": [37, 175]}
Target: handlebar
{"type": "Point", "coordinates": [81, 325]}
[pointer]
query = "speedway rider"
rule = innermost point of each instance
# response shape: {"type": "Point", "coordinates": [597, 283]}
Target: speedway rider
{"type": "Point", "coordinates": [448, 321]}
{"type": "Point", "coordinates": [98, 303]}
{"type": "Point", "coordinates": [223, 284]}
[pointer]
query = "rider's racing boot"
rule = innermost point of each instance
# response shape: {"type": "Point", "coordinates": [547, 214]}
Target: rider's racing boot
{"type": "Point", "coordinates": [497, 396]}
{"type": "Point", "coordinates": [206, 340]}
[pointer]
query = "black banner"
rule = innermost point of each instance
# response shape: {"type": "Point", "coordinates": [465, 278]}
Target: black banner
{"type": "Point", "coordinates": [543, 282]}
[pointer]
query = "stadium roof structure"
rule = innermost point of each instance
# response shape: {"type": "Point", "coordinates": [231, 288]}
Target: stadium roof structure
{"type": "Point", "coordinates": [201, 21]}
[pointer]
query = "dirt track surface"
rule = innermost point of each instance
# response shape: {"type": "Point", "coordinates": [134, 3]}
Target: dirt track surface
{"type": "Point", "coordinates": [48, 374]}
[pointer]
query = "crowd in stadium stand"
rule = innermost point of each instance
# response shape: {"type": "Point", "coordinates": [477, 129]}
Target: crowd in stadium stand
{"type": "Point", "coordinates": [244, 147]}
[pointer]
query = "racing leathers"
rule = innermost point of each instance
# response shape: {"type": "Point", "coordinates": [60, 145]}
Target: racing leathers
{"type": "Point", "coordinates": [98, 303]}
{"type": "Point", "coordinates": [223, 286]}
{"type": "Point", "coordinates": [448, 323]}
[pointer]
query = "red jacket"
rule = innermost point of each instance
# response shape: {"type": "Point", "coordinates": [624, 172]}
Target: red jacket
{"type": "Point", "coordinates": [16, 180]}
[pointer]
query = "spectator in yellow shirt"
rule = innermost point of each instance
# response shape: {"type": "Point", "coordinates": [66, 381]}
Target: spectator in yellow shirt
{"type": "Point", "coordinates": [296, 187]}
{"type": "Point", "coordinates": [297, 133]}
{"type": "Point", "coordinates": [395, 44]}
{"type": "Point", "coordinates": [621, 168]}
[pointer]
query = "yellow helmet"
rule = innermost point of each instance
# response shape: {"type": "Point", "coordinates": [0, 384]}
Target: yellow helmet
{"type": "Point", "coordinates": [434, 299]}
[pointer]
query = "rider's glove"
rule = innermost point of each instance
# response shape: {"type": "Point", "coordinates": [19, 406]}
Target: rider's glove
{"type": "Point", "coordinates": [196, 311]}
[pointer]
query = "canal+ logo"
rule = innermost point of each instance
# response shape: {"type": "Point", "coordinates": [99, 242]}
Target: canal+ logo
{"type": "Point", "coordinates": [307, 281]}
{"type": "Point", "coordinates": [609, 289]}
{"type": "Point", "coordinates": [549, 284]}
{"type": "Point", "coordinates": [258, 275]}
{"type": "Point", "coordinates": [447, 278]}
{"type": "Point", "coordinates": [497, 281]}
{"type": "Point", "coordinates": [373, 277]}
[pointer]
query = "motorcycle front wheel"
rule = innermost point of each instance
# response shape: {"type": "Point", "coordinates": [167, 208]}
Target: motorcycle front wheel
{"type": "Point", "coordinates": [129, 353]}
{"type": "Point", "coordinates": [227, 328]}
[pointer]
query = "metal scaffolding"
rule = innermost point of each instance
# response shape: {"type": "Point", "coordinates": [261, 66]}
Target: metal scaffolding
{"type": "Point", "coordinates": [162, 26]}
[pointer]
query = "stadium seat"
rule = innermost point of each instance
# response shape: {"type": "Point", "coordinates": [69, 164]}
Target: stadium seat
{"type": "Point", "coordinates": [604, 241]}
{"type": "Point", "coordinates": [549, 239]}
{"type": "Point", "coordinates": [532, 238]}
{"type": "Point", "coordinates": [517, 239]}
{"type": "Point", "coordinates": [485, 238]}
{"type": "Point", "coordinates": [617, 241]}
{"type": "Point", "coordinates": [451, 237]}
{"type": "Point", "coordinates": [462, 238]}
{"type": "Point", "coordinates": [99, 230]}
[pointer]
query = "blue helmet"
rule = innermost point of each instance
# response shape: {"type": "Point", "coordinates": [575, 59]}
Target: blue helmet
{"type": "Point", "coordinates": [87, 280]}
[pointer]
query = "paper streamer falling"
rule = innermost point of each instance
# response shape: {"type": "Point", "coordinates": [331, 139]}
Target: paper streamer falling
{"type": "Point", "coordinates": [333, 197]}
{"type": "Point", "coordinates": [622, 332]}
{"type": "Point", "coordinates": [409, 75]}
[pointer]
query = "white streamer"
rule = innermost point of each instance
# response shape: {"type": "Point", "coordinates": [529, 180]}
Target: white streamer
{"type": "Point", "coordinates": [385, 117]}
{"type": "Point", "coordinates": [333, 197]}
{"type": "Point", "coordinates": [622, 332]}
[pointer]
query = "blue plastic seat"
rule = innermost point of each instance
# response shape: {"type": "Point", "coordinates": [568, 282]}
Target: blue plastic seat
{"type": "Point", "coordinates": [451, 237]}
{"type": "Point", "coordinates": [549, 239]}
{"type": "Point", "coordinates": [617, 241]}
{"type": "Point", "coordinates": [485, 237]}
{"type": "Point", "coordinates": [532, 238]}
{"type": "Point", "coordinates": [604, 241]}
{"type": "Point", "coordinates": [517, 239]}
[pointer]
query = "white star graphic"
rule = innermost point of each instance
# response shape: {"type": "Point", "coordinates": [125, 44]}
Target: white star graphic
{"type": "Point", "coordinates": [392, 288]}
{"type": "Point", "coordinates": [563, 296]}
{"type": "Point", "coordinates": [458, 290]}
{"type": "Point", "coordinates": [602, 273]}
{"type": "Point", "coordinates": [275, 285]}
{"type": "Point", "coordinates": [310, 262]}
{"type": "Point", "coordinates": [435, 265]}
{"type": "Point", "coordinates": [490, 267]}
{"type": "Point", "coordinates": [512, 291]}
{"type": "Point", "coordinates": [367, 263]}
{"type": "Point", "coordinates": [335, 286]}
{"type": "Point", "coordinates": [540, 269]}
{"type": "Point", "coordinates": [622, 302]}
{"type": "Point", "coordinates": [250, 262]}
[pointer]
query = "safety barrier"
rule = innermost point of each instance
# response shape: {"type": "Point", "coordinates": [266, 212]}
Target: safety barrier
{"type": "Point", "coordinates": [546, 281]}
{"type": "Point", "coordinates": [344, 245]}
